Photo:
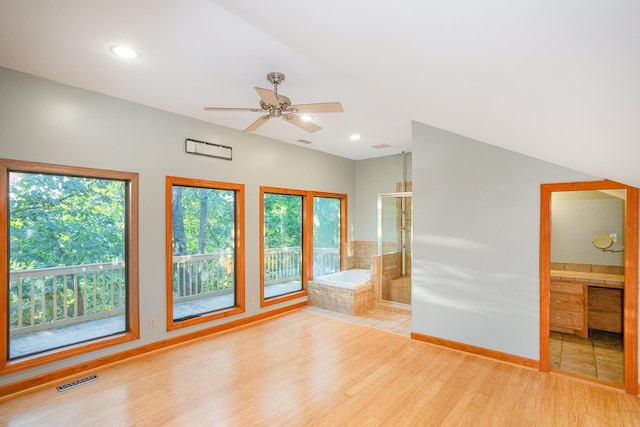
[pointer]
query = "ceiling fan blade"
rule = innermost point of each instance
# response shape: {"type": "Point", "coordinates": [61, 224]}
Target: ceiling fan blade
{"type": "Point", "coordinates": [322, 107]}
{"type": "Point", "coordinates": [257, 110]}
{"type": "Point", "coordinates": [255, 125]}
{"type": "Point", "coordinates": [297, 121]}
{"type": "Point", "coordinates": [268, 96]}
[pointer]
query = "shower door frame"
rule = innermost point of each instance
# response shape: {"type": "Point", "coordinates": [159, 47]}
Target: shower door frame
{"type": "Point", "coordinates": [403, 195]}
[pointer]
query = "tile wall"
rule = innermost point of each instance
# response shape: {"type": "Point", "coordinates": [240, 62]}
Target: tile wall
{"type": "Point", "coordinates": [587, 268]}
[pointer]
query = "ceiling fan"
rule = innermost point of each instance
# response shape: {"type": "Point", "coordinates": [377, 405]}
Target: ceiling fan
{"type": "Point", "coordinates": [280, 106]}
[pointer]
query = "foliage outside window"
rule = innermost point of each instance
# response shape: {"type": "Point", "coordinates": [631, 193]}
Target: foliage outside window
{"type": "Point", "coordinates": [282, 246]}
{"type": "Point", "coordinates": [328, 233]}
{"type": "Point", "coordinates": [72, 285]}
{"type": "Point", "coordinates": [205, 267]}
{"type": "Point", "coordinates": [302, 235]}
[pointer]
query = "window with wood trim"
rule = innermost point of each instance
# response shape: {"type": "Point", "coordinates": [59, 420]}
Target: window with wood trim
{"type": "Point", "coordinates": [292, 221]}
{"type": "Point", "coordinates": [205, 252]}
{"type": "Point", "coordinates": [329, 232]}
{"type": "Point", "coordinates": [69, 262]}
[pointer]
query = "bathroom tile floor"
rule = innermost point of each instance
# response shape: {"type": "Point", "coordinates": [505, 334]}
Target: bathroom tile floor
{"type": "Point", "coordinates": [397, 323]}
{"type": "Point", "coordinates": [600, 355]}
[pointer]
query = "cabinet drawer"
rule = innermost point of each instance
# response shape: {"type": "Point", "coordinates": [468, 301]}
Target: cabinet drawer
{"type": "Point", "coordinates": [567, 302]}
{"type": "Point", "coordinates": [566, 319]}
{"type": "Point", "coordinates": [567, 287]}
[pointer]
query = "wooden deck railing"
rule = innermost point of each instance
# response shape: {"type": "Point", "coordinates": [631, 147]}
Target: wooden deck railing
{"type": "Point", "coordinates": [284, 264]}
{"type": "Point", "coordinates": [51, 297]}
{"type": "Point", "coordinates": [197, 275]}
{"type": "Point", "coordinates": [42, 298]}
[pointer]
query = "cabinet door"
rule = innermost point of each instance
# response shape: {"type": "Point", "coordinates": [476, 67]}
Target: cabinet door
{"type": "Point", "coordinates": [605, 309]}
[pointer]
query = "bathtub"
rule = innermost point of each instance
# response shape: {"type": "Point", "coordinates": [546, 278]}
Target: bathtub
{"type": "Point", "coordinates": [348, 292]}
{"type": "Point", "coordinates": [347, 279]}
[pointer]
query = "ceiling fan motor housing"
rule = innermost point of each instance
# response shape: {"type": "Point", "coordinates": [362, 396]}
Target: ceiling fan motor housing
{"type": "Point", "coordinates": [275, 78]}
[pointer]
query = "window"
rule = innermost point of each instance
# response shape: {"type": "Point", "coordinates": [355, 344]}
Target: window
{"type": "Point", "coordinates": [328, 233]}
{"type": "Point", "coordinates": [282, 217]}
{"type": "Point", "coordinates": [302, 235]}
{"type": "Point", "coordinates": [70, 261]}
{"type": "Point", "coordinates": [205, 256]}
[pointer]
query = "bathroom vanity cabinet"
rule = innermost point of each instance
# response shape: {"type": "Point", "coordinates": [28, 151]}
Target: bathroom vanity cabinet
{"type": "Point", "coordinates": [568, 308]}
{"type": "Point", "coordinates": [605, 308]}
{"type": "Point", "coordinates": [580, 301]}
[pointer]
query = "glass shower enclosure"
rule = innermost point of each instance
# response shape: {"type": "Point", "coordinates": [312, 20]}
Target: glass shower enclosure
{"type": "Point", "coordinates": [394, 247]}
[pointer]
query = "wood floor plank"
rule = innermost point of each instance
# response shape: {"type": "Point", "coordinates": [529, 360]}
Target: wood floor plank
{"type": "Point", "coordinates": [305, 369]}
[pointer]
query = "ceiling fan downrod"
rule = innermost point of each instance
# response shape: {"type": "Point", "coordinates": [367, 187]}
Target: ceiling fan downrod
{"type": "Point", "coordinates": [275, 78]}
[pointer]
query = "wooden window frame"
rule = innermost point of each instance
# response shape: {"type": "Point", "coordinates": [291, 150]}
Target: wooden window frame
{"type": "Point", "coordinates": [132, 268]}
{"type": "Point", "coordinates": [239, 251]}
{"type": "Point", "coordinates": [307, 238]}
{"type": "Point", "coordinates": [343, 223]}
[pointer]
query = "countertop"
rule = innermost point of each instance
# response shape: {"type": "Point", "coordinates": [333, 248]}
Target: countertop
{"type": "Point", "coordinates": [601, 280]}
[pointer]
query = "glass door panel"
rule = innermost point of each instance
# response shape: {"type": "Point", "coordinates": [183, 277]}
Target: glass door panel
{"type": "Point", "coordinates": [394, 245]}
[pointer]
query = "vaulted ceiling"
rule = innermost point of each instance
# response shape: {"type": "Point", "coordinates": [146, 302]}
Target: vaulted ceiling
{"type": "Point", "coordinates": [556, 80]}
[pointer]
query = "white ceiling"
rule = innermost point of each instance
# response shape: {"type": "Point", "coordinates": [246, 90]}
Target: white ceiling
{"type": "Point", "coordinates": [554, 79]}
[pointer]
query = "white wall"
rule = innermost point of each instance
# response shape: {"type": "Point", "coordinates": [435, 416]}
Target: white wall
{"type": "Point", "coordinates": [44, 121]}
{"type": "Point", "coordinates": [476, 207]}
{"type": "Point", "coordinates": [476, 241]}
{"type": "Point", "coordinates": [375, 176]}
{"type": "Point", "coordinates": [576, 217]}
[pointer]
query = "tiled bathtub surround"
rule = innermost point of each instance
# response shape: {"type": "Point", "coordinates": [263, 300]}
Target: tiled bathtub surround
{"type": "Point", "coordinates": [355, 301]}
{"type": "Point", "coordinates": [364, 254]}
{"type": "Point", "coordinates": [359, 253]}
{"type": "Point", "coordinates": [398, 290]}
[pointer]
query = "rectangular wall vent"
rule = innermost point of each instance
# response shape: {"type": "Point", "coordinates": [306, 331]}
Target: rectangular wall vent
{"type": "Point", "coordinates": [380, 146]}
{"type": "Point", "coordinates": [208, 149]}
{"type": "Point", "coordinates": [305, 141]}
{"type": "Point", "coordinates": [75, 383]}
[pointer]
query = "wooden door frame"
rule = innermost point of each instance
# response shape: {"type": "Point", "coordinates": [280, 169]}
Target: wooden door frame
{"type": "Point", "coordinates": [630, 327]}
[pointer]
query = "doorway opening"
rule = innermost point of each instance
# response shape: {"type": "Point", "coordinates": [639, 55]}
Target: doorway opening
{"type": "Point", "coordinates": [588, 285]}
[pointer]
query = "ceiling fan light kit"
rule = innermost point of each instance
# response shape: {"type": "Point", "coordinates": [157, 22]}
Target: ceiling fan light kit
{"type": "Point", "coordinates": [280, 106]}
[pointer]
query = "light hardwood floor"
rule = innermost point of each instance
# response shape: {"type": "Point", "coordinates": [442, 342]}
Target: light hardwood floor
{"type": "Point", "coordinates": [305, 369]}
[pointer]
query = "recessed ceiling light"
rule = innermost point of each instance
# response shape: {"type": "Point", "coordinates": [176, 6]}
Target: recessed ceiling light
{"type": "Point", "coordinates": [124, 52]}
{"type": "Point", "coordinates": [354, 137]}
{"type": "Point", "coordinates": [306, 118]}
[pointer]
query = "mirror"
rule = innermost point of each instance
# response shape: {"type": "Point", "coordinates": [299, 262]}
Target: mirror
{"type": "Point", "coordinates": [602, 241]}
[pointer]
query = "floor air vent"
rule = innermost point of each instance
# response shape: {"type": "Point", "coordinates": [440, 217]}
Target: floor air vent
{"type": "Point", "coordinates": [75, 383]}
